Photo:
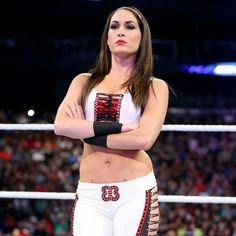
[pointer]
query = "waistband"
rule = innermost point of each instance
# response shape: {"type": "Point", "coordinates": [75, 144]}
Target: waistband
{"type": "Point", "coordinates": [143, 183]}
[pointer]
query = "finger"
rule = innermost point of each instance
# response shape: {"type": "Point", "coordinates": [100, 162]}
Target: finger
{"type": "Point", "coordinates": [76, 110]}
{"type": "Point", "coordinates": [81, 112]}
{"type": "Point", "coordinates": [67, 114]}
{"type": "Point", "coordinates": [71, 111]}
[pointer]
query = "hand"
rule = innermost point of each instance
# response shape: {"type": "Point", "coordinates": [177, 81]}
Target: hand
{"type": "Point", "coordinates": [75, 111]}
{"type": "Point", "coordinates": [129, 126]}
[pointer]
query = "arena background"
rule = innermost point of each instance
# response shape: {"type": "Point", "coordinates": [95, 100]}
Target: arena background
{"type": "Point", "coordinates": [44, 44]}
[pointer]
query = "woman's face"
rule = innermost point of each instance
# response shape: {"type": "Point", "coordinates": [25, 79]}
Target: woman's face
{"type": "Point", "coordinates": [124, 34]}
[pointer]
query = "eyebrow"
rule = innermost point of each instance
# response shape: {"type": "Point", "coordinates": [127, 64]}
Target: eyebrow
{"type": "Point", "coordinates": [126, 22]}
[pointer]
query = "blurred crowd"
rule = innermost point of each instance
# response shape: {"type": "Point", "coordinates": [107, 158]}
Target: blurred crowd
{"type": "Point", "coordinates": [185, 163]}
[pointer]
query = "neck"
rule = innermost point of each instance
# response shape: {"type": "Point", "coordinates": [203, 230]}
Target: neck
{"type": "Point", "coordinates": [122, 67]}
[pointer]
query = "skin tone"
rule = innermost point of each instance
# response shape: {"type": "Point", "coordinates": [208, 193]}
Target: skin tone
{"type": "Point", "coordinates": [123, 26]}
{"type": "Point", "coordinates": [123, 39]}
{"type": "Point", "coordinates": [125, 158]}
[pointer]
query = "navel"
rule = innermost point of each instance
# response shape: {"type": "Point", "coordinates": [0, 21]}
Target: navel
{"type": "Point", "coordinates": [108, 163]}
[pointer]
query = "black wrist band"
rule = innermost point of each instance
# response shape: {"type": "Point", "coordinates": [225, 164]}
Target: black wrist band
{"type": "Point", "coordinates": [99, 141]}
{"type": "Point", "coordinates": [105, 128]}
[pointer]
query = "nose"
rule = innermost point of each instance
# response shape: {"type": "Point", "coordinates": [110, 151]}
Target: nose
{"type": "Point", "coordinates": [121, 34]}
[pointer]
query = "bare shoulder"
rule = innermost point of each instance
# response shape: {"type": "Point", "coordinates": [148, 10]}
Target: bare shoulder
{"type": "Point", "coordinates": [81, 79]}
{"type": "Point", "coordinates": [76, 87]}
{"type": "Point", "coordinates": [160, 85]}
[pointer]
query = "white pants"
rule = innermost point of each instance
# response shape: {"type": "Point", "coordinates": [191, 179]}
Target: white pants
{"type": "Point", "coordinates": [127, 208]}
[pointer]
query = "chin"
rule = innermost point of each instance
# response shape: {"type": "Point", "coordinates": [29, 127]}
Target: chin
{"type": "Point", "coordinates": [124, 53]}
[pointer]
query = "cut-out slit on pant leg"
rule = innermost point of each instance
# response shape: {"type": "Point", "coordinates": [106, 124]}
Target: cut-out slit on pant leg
{"type": "Point", "coordinates": [149, 223]}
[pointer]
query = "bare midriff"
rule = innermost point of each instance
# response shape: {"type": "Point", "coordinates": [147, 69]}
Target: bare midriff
{"type": "Point", "coordinates": [103, 165]}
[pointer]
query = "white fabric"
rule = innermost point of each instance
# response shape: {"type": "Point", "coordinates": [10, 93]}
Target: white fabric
{"type": "Point", "coordinates": [128, 112]}
{"type": "Point", "coordinates": [94, 216]}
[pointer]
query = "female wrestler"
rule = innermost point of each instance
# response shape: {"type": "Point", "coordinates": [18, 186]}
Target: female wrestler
{"type": "Point", "coordinates": [117, 110]}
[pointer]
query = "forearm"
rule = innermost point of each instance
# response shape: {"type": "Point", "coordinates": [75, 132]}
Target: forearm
{"type": "Point", "coordinates": [74, 128]}
{"type": "Point", "coordinates": [82, 129]}
{"type": "Point", "coordinates": [136, 139]}
{"type": "Point", "coordinates": [150, 124]}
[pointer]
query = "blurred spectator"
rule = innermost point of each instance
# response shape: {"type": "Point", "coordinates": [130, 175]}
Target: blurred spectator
{"type": "Point", "coordinates": [186, 163]}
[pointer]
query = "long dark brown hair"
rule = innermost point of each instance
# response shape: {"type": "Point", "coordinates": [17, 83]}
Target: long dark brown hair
{"type": "Point", "coordinates": [141, 77]}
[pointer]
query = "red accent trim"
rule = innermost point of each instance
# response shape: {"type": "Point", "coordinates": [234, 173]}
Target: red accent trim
{"type": "Point", "coordinates": [107, 107]}
{"type": "Point", "coordinates": [72, 215]}
{"type": "Point", "coordinates": [145, 211]}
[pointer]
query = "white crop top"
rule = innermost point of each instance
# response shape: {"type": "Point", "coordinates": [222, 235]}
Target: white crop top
{"type": "Point", "coordinates": [111, 107]}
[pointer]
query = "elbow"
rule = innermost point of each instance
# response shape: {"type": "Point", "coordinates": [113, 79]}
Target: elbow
{"type": "Point", "coordinates": [58, 128]}
{"type": "Point", "coordinates": [146, 143]}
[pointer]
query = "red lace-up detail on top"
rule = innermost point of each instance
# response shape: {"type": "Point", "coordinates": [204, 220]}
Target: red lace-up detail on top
{"type": "Point", "coordinates": [107, 107]}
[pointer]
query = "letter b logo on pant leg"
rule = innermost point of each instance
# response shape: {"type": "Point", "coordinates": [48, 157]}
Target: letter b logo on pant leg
{"type": "Point", "coordinates": [110, 193]}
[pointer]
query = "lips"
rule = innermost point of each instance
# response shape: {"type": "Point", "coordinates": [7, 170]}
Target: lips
{"type": "Point", "coordinates": [120, 42]}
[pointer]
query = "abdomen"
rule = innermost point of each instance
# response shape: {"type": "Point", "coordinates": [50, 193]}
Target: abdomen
{"type": "Point", "coordinates": [102, 165]}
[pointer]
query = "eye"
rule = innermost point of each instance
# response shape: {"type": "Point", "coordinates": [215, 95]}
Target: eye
{"type": "Point", "coordinates": [130, 27]}
{"type": "Point", "coordinates": [114, 26]}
